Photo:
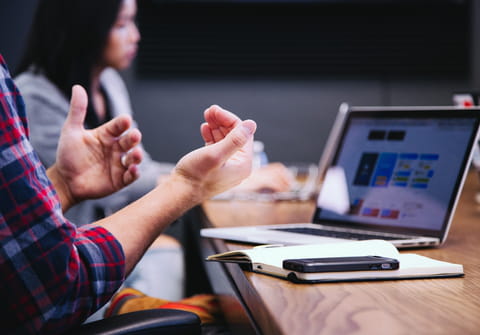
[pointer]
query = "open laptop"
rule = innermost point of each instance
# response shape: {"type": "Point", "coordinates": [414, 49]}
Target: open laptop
{"type": "Point", "coordinates": [404, 168]}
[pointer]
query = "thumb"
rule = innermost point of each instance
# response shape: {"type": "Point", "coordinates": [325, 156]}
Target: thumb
{"type": "Point", "coordinates": [236, 139]}
{"type": "Point", "coordinates": [78, 107]}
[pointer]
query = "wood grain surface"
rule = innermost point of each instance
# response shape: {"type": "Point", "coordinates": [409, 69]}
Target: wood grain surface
{"type": "Point", "coordinates": [432, 306]}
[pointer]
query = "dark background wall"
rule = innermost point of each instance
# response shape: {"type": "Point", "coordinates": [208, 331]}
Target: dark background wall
{"type": "Point", "coordinates": [294, 112]}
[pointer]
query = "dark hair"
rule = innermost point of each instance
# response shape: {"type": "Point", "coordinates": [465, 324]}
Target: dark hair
{"type": "Point", "coordinates": [66, 42]}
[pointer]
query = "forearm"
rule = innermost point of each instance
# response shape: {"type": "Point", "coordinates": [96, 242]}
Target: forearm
{"type": "Point", "coordinates": [137, 225]}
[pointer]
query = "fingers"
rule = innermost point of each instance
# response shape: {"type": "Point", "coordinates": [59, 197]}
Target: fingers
{"type": "Point", "coordinates": [274, 177]}
{"type": "Point", "coordinates": [219, 123]}
{"type": "Point", "coordinates": [277, 174]}
{"type": "Point", "coordinates": [130, 139]}
{"type": "Point", "coordinates": [78, 107]}
{"type": "Point", "coordinates": [131, 174]}
{"type": "Point", "coordinates": [236, 139]}
{"type": "Point", "coordinates": [130, 161]}
{"type": "Point", "coordinates": [78, 111]}
{"type": "Point", "coordinates": [132, 157]}
{"type": "Point", "coordinates": [281, 182]}
{"type": "Point", "coordinates": [206, 133]}
{"type": "Point", "coordinates": [217, 115]}
{"type": "Point", "coordinates": [116, 126]}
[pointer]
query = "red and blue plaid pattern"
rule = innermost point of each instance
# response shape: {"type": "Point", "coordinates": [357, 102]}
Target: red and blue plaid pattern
{"type": "Point", "coordinates": [52, 274]}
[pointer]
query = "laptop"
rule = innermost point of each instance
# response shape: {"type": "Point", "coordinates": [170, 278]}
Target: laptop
{"type": "Point", "coordinates": [403, 171]}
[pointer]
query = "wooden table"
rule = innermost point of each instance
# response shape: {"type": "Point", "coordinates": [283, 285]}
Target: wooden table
{"type": "Point", "coordinates": [256, 303]}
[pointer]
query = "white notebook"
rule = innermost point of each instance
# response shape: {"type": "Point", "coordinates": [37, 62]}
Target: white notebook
{"type": "Point", "coordinates": [268, 260]}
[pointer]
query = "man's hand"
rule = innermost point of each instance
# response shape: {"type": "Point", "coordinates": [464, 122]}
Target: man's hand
{"type": "Point", "coordinates": [93, 163]}
{"type": "Point", "coordinates": [225, 160]}
{"type": "Point", "coordinates": [271, 178]}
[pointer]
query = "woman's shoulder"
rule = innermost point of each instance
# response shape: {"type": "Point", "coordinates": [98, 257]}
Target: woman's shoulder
{"type": "Point", "coordinates": [32, 81]}
{"type": "Point", "coordinates": [112, 80]}
{"type": "Point", "coordinates": [36, 86]}
{"type": "Point", "coordinates": [116, 91]}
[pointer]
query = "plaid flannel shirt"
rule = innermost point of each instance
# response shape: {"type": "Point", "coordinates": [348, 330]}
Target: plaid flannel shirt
{"type": "Point", "coordinates": [52, 274]}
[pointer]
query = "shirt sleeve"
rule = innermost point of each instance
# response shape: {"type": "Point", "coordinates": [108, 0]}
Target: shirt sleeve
{"type": "Point", "coordinates": [52, 274]}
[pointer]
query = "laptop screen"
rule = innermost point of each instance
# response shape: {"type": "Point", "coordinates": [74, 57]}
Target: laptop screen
{"type": "Point", "coordinates": [404, 168]}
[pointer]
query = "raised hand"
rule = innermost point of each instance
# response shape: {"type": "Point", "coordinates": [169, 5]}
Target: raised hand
{"type": "Point", "coordinates": [227, 157]}
{"type": "Point", "coordinates": [94, 163]}
{"type": "Point", "coordinates": [274, 177]}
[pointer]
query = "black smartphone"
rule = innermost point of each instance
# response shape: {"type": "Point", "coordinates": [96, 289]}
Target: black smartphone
{"type": "Point", "coordinates": [335, 264]}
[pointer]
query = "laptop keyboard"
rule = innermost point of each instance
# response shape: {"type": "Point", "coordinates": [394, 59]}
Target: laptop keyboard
{"type": "Point", "coordinates": [336, 234]}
